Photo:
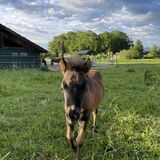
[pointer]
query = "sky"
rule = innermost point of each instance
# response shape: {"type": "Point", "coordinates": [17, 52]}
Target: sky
{"type": "Point", "coordinates": [41, 20]}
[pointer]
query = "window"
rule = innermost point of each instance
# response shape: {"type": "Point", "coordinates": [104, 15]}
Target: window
{"type": "Point", "coordinates": [14, 54]}
{"type": "Point", "coordinates": [23, 54]}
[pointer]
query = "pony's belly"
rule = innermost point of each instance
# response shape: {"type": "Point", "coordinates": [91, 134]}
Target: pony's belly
{"type": "Point", "coordinates": [92, 102]}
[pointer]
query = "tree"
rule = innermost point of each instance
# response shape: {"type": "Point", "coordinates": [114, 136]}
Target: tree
{"type": "Point", "coordinates": [138, 47]}
{"type": "Point", "coordinates": [105, 41]}
{"type": "Point", "coordinates": [75, 41]}
{"type": "Point", "coordinates": [58, 46]}
{"type": "Point", "coordinates": [128, 54]}
{"type": "Point", "coordinates": [87, 40]}
{"type": "Point", "coordinates": [155, 50]}
{"type": "Point", "coordinates": [119, 41]}
{"type": "Point", "coordinates": [135, 51]}
{"type": "Point", "coordinates": [71, 38]}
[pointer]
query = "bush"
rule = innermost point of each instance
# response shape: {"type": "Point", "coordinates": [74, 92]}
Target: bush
{"type": "Point", "coordinates": [6, 89]}
{"type": "Point", "coordinates": [125, 54]}
{"type": "Point", "coordinates": [98, 56]}
{"type": "Point", "coordinates": [132, 53]}
{"type": "Point", "coordinates": [130, 70]}
{"type": "Point", "coordinates": [149, 78]}
{"type": "Point", "coordinates": [150, 56]}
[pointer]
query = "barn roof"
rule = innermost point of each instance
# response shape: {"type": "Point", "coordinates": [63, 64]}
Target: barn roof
{"type": "Point", "coordinates": [84, 52]}
{"type": "Point", "coordinates": [12, 35]}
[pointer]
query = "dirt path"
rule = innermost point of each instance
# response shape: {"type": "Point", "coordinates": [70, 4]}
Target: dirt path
{"type": "Point", "coordinates": [56, 68]}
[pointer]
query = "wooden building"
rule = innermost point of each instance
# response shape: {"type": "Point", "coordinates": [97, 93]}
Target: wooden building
{"type": "Point", "coordinates": [16, 50]}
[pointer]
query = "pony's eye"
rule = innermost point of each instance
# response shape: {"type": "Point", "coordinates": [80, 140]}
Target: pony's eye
{"type": "Point", "coordinates": [81, 87]}
{"type": "Point", "coordinates": [84, 85]}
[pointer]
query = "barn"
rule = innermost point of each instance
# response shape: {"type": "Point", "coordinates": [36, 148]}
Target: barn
{"type": "Point", "coordinates": [16, 50]}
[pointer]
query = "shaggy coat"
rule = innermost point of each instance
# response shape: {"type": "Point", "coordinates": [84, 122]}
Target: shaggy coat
{"type": "Point", "coordinates": [83, 92]}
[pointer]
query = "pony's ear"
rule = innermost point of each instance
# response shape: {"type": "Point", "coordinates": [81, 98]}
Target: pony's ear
{"type": "Point", "coordinates": [63, 65]}
{"type": "Point", "coordinates": [87, 65]}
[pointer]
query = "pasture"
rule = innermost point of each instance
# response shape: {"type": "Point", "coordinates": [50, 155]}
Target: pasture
{"type": "Point", "coordinates": [32, 121]}
{"type": "Point", "coordinates": [128, 61]}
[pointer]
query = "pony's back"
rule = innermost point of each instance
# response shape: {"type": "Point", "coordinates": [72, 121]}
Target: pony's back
{"type": "Point", "coordinates": [95, 93]}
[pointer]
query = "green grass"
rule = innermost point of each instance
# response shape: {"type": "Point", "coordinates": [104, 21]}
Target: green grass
{"type": "Point", "coordinates": [139, 61]}
{"type": "Point", "coordinates": [130, 61]}
{"type": "Point", "coordinates": [32, 121]}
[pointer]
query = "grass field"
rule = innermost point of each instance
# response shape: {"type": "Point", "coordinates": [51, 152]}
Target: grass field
{"type": "Point", "coordinates": [130, 61]}
{"type": "Point", "coordinates": [32, 121]}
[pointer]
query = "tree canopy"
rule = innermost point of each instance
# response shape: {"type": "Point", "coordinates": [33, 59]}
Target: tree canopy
{"type": "Point", "coordinates": [154, 52]}
{"type": "Point", "coordinates": [76, 41]}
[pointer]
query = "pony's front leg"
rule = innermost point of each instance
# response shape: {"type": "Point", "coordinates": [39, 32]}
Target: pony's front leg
{"type": "Point", "coordinates": [81, 133]}
{"type": "Point", "coordinates": [70, 135]}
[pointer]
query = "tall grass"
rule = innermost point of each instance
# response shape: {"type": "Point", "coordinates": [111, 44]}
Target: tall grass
{"type": "Point", "coordinates": [32, 120]}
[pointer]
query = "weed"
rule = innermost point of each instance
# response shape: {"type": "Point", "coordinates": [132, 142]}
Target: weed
{"type": "Point", "coordinates": [149, 78]}
{"type": "Point", "coordinates": [130, 70]}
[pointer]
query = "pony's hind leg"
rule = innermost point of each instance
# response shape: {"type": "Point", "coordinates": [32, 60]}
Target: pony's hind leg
{"type": "Point", "coordinates": [95, 120]}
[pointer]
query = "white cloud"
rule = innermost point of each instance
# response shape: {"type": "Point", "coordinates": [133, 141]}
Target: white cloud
{"type": "Point", "coordinates": [40, 20]}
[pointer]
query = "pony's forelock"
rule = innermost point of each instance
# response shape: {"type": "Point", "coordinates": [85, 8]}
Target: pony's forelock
{"type": "Point", "coordinates": [75, 63]}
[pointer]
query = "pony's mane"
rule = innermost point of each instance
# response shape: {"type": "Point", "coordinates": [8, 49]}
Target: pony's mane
{"type": "Point", "coordinates": [76, 63]}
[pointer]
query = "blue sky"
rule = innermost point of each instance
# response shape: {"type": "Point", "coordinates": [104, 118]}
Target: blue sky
{"type": "Point", "coordinates": [40, 20]}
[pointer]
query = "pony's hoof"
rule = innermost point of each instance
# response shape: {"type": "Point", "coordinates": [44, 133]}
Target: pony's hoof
{"type": "Point", "coordinates": [73, 145]}
{"type": "Point", "coordinates": [95, 130]}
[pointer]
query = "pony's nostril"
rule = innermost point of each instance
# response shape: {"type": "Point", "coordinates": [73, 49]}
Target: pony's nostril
{"type": "Point", "coordinates": [74, 115]}
{"type": "Point", "coordinates": [71, 115]}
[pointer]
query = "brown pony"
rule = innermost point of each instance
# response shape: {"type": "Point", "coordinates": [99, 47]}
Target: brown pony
{"type": "Point", "coordinates": [83, 91]}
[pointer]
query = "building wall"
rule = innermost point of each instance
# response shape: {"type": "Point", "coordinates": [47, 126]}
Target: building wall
{"type": "Point", "coordinates": [20, 57]}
